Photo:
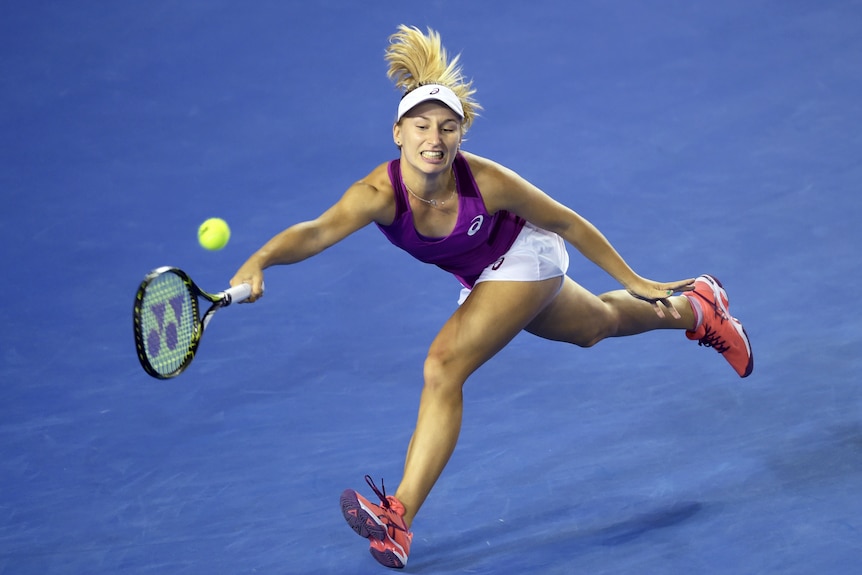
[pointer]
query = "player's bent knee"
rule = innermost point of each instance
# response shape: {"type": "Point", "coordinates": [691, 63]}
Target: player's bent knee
{"type": "Point", "coordinates": [588, 342]}
{"type": "Point", "coordinates": [594, 329]}
{"type": "Point", "coordinates": [440, 372]}
{"type": "Point", "coordinates": [590, 338]}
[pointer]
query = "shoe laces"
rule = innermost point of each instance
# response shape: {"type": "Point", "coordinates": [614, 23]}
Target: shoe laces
{"type": "Point", "coordinates": [381, 493]}
{"type": "Point", "coordinates": [712, 339]}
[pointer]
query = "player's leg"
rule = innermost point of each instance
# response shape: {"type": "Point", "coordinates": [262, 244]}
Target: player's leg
{"type": "Point", "coordinates": [577, 316]}
{"type": "Point", "coordinates": [494, 313]}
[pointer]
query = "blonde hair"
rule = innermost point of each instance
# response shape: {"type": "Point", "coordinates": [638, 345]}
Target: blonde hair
{"type": "Point", "coordinates": [416, 59]}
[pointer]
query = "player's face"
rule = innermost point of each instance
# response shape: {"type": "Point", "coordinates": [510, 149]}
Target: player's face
{"type": "Point", "coordinates": [430, 135]}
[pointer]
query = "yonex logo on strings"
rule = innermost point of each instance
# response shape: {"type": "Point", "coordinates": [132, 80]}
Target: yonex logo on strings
{"type": "Point", "coordinates": [167, 332]}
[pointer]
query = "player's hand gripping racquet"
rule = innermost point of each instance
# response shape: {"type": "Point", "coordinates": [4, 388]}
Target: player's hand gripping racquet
{"type": "Point", "coordinates": [168, 324]}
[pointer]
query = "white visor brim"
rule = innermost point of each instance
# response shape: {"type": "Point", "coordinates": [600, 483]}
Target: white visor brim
{"type": "Point", "coordinates": [428, 92]}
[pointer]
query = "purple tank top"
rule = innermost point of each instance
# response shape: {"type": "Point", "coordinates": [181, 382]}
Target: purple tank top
{"type": "Point", "coordinates": [478, 240]}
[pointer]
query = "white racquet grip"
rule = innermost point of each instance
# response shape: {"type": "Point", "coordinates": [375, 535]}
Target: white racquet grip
{"type": "Point", "coordinates": [239, 293]}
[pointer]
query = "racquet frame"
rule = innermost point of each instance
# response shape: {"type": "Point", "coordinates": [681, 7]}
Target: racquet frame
{"type": "Point", "coordinates": [218, 300]}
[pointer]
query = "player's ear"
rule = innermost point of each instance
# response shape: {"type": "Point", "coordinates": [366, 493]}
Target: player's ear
{"type": "Point", "coordinates": [396, 134]}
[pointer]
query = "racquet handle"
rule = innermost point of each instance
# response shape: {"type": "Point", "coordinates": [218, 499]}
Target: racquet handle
{"type": "Point", "coordinates": [238, 293]}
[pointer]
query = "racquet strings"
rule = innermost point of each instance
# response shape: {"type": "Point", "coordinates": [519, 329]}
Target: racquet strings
{"type": "Point", "coordinates": [168, 322]}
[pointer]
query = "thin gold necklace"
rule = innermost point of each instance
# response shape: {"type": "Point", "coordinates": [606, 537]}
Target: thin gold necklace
{"type": "Point", "coordinates": [432, 202]}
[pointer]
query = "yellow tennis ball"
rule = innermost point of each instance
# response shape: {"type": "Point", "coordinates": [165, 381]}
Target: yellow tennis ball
{"type": "Point", "coordinates": [214, 234]}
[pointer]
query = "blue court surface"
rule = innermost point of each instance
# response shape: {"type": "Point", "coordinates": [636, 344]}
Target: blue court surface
{"type": "Point", "coordinates": [720, 137]}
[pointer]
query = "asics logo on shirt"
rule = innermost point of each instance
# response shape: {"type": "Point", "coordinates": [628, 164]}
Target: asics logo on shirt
{"type": "Point", "coordinates": [475, 225]}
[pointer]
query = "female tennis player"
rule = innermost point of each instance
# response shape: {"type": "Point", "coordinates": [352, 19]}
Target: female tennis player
{"type": "Point", "coordinates": [504, 239]}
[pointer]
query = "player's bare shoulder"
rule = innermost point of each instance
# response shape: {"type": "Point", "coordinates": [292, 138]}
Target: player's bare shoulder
{"type": "Point", "coordinates": [376, 190]}
{"type": "Point", "coordinates": [480, 165]}
{"type": "Point", "coordinates": [496, 182]}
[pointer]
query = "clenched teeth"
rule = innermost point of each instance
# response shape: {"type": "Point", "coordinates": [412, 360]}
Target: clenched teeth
{"type": "Point", "coordinates": [432, 155]}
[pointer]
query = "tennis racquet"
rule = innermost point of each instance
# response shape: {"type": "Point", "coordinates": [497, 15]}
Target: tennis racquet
{"type": "Point", "coordinates": [168, 324]}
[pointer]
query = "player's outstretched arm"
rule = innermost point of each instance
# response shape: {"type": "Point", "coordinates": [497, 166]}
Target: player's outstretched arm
{"type": "Point", "coordinates": [360, 205]}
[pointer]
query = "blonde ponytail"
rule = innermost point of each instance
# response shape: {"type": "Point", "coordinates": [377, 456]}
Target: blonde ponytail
{"type": "Point", "coordinates": [416, 59]}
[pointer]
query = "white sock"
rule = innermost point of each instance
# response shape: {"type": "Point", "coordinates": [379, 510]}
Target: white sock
{"type": "Point", "coordinates": [698, 312]}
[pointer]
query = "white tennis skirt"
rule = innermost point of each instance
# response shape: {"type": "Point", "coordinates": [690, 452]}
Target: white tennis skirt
{"type": "Point", "coordinates": [536, 255]}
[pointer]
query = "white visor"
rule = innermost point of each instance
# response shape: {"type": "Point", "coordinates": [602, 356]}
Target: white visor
{"type": "Point", "coordinates": [430, 92]}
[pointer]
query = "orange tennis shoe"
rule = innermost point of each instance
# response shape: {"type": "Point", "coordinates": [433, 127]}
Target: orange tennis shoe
{"type": "Point", "coordinates": [719, 330]}
{"type": "Point", "coordinates": [383, 525]}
